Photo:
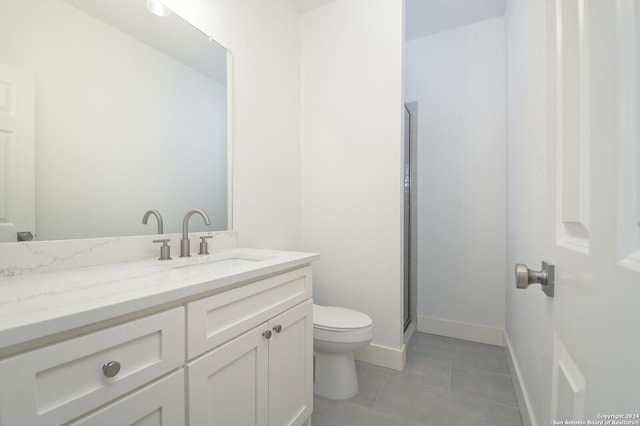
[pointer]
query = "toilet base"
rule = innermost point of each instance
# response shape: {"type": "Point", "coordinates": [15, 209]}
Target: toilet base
{"type": "Point", "coordinates": [335, 375]}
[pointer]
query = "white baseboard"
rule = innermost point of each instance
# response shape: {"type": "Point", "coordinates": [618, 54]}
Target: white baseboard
{"type": "Point", "coordinates": [461, 330]}
{"type": "Point", "coordinates": [383, 356]}
{"type": "Point", "coordinates": [530, 419]}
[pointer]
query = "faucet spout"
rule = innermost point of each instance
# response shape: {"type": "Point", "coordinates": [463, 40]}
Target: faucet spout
{"type": "Point", "coordinates": [158, 216]}
{"type": "Point", "coordinates": [185, 244]}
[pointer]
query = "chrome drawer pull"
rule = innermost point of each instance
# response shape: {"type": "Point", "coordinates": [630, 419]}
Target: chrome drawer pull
{"type": "Point", "coordinates": [111, 368]}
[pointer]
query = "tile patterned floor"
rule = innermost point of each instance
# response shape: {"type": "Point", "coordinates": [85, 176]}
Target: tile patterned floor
{"type": "Point", "coordinates": [446, 382]}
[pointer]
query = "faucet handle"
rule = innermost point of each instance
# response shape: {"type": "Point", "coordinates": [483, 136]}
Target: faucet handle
{"type": "Point", "coordinates": [165, 249]}
{"type": "Point", "coordinates": [204, 246]}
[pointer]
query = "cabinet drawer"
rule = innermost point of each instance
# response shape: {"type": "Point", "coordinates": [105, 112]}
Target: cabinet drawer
{"type": "Point", "coordinates": [161, 403]}
{"type": "Point", "coordinates": [216, 319]}
{"type": "Point", "coordinates": [57, 383]}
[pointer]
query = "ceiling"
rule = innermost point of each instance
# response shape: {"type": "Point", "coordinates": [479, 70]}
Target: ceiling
{"type": "Point", "coordinates": [426, 17]}
{"type": "Point", "coordinates": [306, 5]}
{"type": "Point", "coordinates": [171, 35]}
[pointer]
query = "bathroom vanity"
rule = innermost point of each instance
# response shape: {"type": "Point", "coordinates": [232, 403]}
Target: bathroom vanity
{"type": "Point", "coordinates": [225, 338]}
{"type": "Point", "coordinates": [94, 330]}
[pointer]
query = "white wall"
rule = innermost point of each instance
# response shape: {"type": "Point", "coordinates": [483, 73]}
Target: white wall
{"type": "Point", "coordinates": [264, 39]}
{"type": "Point", "coordinates": [351, 117]}
{"type": "Point", "coordinates": [458, 79]}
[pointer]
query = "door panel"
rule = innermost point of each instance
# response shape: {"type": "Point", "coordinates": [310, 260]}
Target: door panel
{"type": "Point", "coordinates": [628, 101]}
{"type": "Point", "coordinates": [567, 385]}
{"type": "Point", "coordinates": [572, 125]}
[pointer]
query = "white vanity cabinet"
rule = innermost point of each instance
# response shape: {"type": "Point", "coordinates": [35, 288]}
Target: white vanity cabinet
{"type": "Point", "coordinates": [201, 346]}
{"type": "Point", "coordinates": [259, 370]}
{"type": "Point", "coordinates": [58, 383]}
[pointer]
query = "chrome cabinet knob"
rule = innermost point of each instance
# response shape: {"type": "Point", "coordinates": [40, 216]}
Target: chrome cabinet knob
{"type": "Point", "coordinates": [266, 334]}
{"type": "Point", "coordinates": [545, 277]}
{"type": "Point", "coordinates": [277, 328]}
{"type": "Point", "coordinates": [111, 368]}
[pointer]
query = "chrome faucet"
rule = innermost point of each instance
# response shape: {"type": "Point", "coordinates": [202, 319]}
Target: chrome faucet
{"type": "Point", "coordinates": [185, 244]}
{"type": "Point", "coordinates": [158, 216]}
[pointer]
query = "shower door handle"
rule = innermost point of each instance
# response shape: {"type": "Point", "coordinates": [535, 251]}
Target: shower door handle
{"type": "Point", "coordinates": [545, 277]}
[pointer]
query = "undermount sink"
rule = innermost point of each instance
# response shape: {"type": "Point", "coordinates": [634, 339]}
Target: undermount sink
{"type": "Point", "coordinates": [221, 260]}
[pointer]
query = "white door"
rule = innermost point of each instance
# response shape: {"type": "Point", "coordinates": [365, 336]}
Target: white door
{"type": "Point", "coordinates": [574, 201]}
{"type": "Point", "coordinates": [17, 178]}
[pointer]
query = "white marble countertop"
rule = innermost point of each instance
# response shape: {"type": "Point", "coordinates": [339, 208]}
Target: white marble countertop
{"type": "Point", "coordinates": [36, 305]}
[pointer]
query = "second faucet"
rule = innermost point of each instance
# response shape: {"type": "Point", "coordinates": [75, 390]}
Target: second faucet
{"type": "Point", "coordinates": [185, 244]}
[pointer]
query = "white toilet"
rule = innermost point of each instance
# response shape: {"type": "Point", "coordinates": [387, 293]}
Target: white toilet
{"type": "Point", "coordinates": [337, 332]}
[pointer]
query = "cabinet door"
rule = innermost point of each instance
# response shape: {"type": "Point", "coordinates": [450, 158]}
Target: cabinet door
{"type": "Point", "coordinates": [229, 385]}
{"type": "Point", "coordinates": [161, 403]}
{"type": "Point", "coordinates": [291, 366]}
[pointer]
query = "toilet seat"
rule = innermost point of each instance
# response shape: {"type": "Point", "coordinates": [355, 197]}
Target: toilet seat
{"type": "Point", "coordinates": [333, 318]}
{"type": "Point", "coordinates": [341, 325]}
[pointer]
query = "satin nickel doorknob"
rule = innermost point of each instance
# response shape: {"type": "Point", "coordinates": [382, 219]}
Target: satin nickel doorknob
{"type": "Point", "coordinates": [544, 277]}
{"type": "Point", "coordinates": [277, 328]}
{"type": "Point", "coordinates": [266, 334]}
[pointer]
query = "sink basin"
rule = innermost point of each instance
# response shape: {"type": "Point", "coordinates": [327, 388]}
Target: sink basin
{"type": "Point", "coordinates": [221, 261]}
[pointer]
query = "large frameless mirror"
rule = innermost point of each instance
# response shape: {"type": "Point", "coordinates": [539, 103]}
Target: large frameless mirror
{"type": "Point", "coordinates": [107, 111]}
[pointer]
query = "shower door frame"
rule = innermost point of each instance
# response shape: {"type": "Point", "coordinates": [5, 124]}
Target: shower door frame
{"type": "Point", "coordinates": [411, 228]}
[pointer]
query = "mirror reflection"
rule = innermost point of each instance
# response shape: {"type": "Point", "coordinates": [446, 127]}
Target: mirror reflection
{"type": "Point", "coordinates": [129, 114]}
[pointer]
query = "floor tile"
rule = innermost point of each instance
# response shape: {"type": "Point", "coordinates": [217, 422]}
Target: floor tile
{"type": "Point", "coordinates": [484, 413]}
{"type": "Point", "coordinates": [460, 353]}
{"type": "Point", "coordinates": [370, 381]}
{"type": "Point", "coordinates": [419, 368]}
{"type": "Point", "coordinates": [346, 413]}
{"type": "Point", "coordinates": [412, 400]}
{"type": "Point", "coordinates": [446, 382]}
{"type": "Point", "coordinates": [485, 385]}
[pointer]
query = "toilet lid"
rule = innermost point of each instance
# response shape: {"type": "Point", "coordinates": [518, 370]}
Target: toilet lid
{"type": "Point", "coordinates": [336, 318]}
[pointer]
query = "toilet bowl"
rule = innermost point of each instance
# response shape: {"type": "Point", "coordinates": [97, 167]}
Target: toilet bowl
{"type": "Point", "coordinates": [337, 332]}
